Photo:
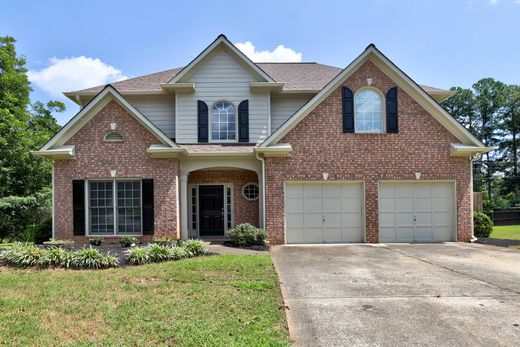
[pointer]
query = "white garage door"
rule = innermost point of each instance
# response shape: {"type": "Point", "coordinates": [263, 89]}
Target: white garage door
{"type": "Point", "coordinates": [416, 211]}
{"type": "Point", "coordinates": [323, 212]}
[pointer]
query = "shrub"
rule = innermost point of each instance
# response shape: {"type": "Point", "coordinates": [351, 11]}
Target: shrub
{"type": "Point", "coordinates": [42, 231]}
{"type": "Point", "coordinates": [90, 258]}
{"type": "Point", "coordinates": [22, 254]}
{"type": "Point", "coordinates": [19, 213]}
{"type": "Point", "coordinates": [138, 255]}
{"type": "Point", "coordinates": [195, 247]}
{"type": "Point", "coordinates": [127, 241]}
{"type": "Point", "coordinates": [158, 253]}
{"type": "Point", "coordinates": [178, 253]}
{"type": "Point", "coordinates": [96, 241]}
{"type": "Point", "coordinates": [54, 256]}
{"type": "Point", "coordinates": [246, 235]}
{"type": "Point", "coordinates": [482, 224]}
{"type": "Point", "coordinates": [53, 243]}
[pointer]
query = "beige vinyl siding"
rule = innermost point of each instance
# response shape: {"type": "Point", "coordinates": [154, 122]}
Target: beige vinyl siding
{"type": "Point", "coordinates": [284, 106]}
{"type": "Point", "coordinates": [159, 109]}
{"type": "Point", "coordinates": [221, 77]}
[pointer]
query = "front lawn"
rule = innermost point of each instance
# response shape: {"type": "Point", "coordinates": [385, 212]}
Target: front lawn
{"type": "Point", "coordinates": [511, 232]}
{"type": "Point", "coordinates": [209, 301]}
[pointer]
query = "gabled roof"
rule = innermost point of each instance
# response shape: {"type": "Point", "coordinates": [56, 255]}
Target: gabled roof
{"type": "Point", "coordinates": [400, 78]}
{"type": "Point", "coordinates": [222, 41]}
{"type": "Point", "coordinates": [108, 94]}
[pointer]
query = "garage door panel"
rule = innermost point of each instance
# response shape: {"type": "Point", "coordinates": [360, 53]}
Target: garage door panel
{"type": "Point", "coordinates": [294, 205]}
{"type": "Point", "coordinates": [295, 220]}
{"type": "Point", "coordinates": [313, 234]}
{"type": "Point", "coordinates": [324, 212]}
{"type": "Point", "coordinates": [404, 234]}
{"type": "Point", "coordinates": [386, 234]}
{"type": "Point", "coordinates": [332, 204]}
{"type": "Point", "coordinates": [352, 234]}
{"type": "Point", "coordinates": [420, 211]}
{"type": "Point", "coordinates": [387, 204]}
{"type": "Point", "coordinates": [353, 191]}
{"type": "Point", "coordinates": [387, 219]}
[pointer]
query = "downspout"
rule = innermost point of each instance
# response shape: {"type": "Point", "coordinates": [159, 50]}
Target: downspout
{"type": "Point", "coordinates": [263, 188]}
{"type": "Point", "coordinates": [473, 238]}
{"type": "Point", "coordinates": [52, 202]}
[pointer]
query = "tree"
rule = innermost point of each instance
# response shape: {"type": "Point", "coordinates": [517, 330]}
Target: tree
{"type": "Point", "coordinates": [489, 101]}
{"type": "Point", "coordinates": [462, 107]}
{"type": "Point", "coordinates": [22, 130]}
{"type": "Point", "coordinates": [509, 133]}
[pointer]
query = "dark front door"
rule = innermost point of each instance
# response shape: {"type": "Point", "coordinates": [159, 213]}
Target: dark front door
{"type": "Point", "coordinates": [211, 210]}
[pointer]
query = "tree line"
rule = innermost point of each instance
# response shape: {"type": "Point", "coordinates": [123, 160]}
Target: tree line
{"type": "Point", "coordinates": [490, 110]}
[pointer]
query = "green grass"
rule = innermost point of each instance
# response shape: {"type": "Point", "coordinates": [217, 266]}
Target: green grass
{"type": "Point", "coordinates": [511, 232]}
{"type": "Point", "coordinates": [227, 300]}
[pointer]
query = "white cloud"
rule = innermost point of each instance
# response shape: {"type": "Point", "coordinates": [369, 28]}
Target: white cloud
{"type": "Point", "coordinates": [493, 2]}
{"type": "Point", "coordinates": [74, 73]}
{"type": "Point", "coordinates": [279, 54]}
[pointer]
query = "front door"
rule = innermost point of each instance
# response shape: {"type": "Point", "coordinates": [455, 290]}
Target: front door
{"type": "Point", "coordinates": [211, 210]}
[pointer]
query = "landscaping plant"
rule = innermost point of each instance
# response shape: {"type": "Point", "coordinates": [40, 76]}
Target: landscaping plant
{"type": "Point", "coordinates": [138, 255]}
{"type": "Point", "coordinates": [22, 254]}
{"type": "Point", "coordinates": [90, 258]}
{"type": "Point", "coordinates": [127, 241]}
{"type": "Point", "coordinates": [482, 224]}
{"type": "Point", "coordinates": [195, 247]}
{"type": "Point", "coordinates": [96, 241]}
{"type": "Point", "coordinates": [246, 235]}
{"type": "Point", "coordinates": [53, 257]}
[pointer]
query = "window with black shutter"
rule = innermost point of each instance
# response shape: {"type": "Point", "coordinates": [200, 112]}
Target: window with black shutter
{"type": "Point", "coordinates": [348, 109]}
{"type": "Point", "coordinates": [392, 123]}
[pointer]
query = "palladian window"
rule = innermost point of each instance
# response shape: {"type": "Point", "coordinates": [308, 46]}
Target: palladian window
{"type": "Point", "coordinates": [223, 122]}
{"type": "Point", "coordinates": [368, 111]}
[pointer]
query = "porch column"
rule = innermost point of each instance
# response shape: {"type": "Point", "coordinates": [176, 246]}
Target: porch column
{"type": "Point", "coordinates": [184, 205]}
{"type": "Point", "coordinates": [261, 199]}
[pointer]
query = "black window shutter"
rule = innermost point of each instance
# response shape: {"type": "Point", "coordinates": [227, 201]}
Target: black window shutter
{"type": "Point", "coordinates": [202, 121]}
{"type": "Point", "coordinates": [78, 207]}
{"type": "Point", "coordinates": [392, 124]}
{"type": "Point", "coordinates": [348, 109]}
{"type": "Point", "coordinates": [243, 121]}
{"type": "Point", "coordinates": [148, 209]}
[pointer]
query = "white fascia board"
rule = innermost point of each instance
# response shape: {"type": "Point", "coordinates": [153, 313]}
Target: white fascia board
{"type": "Point", "coordinates": [178, 87]}
{"type": "Point", "coordinates": [221, 40]}
{"type": "Point", "coordinates": [462, 150]}
{"type": "Point", "coordinates": [92, 108]}
{"type": "Point", "coordinates": [266, 86]}
{"type": "Point", "coordinates": [63, 152]}
{"type": "Point", "coordinates": [401, 79]}
{"type": "Point", "coordinates": [277, 150]}
{"type": "Point", "coordinates": [164, 151]}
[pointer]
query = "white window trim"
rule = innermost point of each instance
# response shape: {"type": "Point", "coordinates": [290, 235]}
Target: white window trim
{"type": "Point", "coordinates": [114, 187]}
{"type": "Point", "coordinates": [190, 208]}
{"type": "Point", "coordinates": [244, 194]}
{"type": "Point", "coordinates": [113, 132]}
{"type": "Point", "coordinates": [383, 111]}
{"type": "Point", "coordinates": [210, 135]}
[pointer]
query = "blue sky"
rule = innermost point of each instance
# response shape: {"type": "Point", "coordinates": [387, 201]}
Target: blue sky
{"type": "Point", "coordinates": [440, 43]}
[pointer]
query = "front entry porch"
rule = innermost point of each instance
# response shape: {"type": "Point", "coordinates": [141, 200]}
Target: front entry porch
{"type": "Point", "coordinates": [219, 199]}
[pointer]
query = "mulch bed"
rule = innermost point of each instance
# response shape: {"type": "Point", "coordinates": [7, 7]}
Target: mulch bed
{"type": "Point", "coordinates": [498, 242]}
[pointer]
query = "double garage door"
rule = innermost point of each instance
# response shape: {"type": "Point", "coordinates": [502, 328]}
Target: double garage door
{"type": "Point", "coordinates": [333, 212]}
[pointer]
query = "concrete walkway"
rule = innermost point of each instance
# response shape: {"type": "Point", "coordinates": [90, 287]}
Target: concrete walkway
{"type": "Point", "coordinates": [402, 294]}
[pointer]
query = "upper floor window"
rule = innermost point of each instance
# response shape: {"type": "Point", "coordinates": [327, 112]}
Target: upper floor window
{"type": "Point", "coordinates": [368, 111]}
{"type": "Point", "coordinates": [223, 122]}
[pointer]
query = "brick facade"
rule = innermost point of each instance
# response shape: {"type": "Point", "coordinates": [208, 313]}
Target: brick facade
{"type": "Point", "coordinates": [95, 158]}
{"type": "Point", "coordinates": [245, 211]}
{"type": "Point", "coordinates": [319, 145]}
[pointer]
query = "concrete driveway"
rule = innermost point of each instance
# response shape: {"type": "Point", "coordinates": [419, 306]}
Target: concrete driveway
{"type": "Point", "coordinates": [450, 294]}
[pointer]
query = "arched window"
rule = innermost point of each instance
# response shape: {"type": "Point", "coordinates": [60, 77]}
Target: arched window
{"type": "Point", "coordinates": [368, 111]}
{"type": "Point", "coordinates": [223, 121]}
{"type": "Point", "coordinates": [113, 136]}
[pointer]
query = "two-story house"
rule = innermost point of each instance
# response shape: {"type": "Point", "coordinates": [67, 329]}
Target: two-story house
{"type": "Point", "coordinates": [310, 152]}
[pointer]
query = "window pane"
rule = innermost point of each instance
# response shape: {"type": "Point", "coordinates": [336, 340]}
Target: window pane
{"type": "Point", "coordinates": [223, 116]}
{"type": "Point", "coordinates": [101, 208]}
{"type": "Point", "coordinates": [128, 207]}
{"type": "Point", "coordinates": [368, 111]}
